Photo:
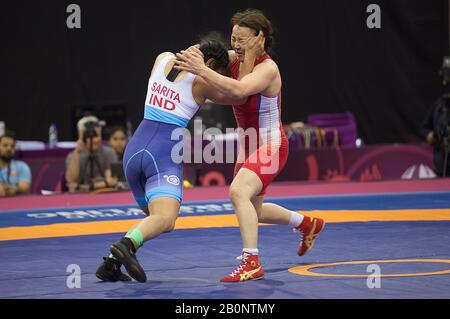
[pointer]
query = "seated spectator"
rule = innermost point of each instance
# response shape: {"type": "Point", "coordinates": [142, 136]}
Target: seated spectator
{"type": "Point", "coordinates": [15, 176]}
{"type": "Point", "coordinates": [117, 139]}
{"type": "Point", "coordinates": [88, 167]}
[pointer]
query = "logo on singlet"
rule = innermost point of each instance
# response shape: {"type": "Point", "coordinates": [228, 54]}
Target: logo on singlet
{"type": "Point", "coordinates": [172, 179]}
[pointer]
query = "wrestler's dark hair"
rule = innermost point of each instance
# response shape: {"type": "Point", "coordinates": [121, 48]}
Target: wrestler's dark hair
{"type": "Point", "coordinates": [213, 46]}
{"type": "Point", "coordinates": [257, 21]}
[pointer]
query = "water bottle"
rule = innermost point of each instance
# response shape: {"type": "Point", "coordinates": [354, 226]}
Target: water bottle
{"type": "Point", "coordinates": [52, 136]}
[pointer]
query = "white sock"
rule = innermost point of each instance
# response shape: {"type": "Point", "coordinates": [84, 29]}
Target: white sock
{"type": "Point", "coordinates": [296, 219]}
{"type": "Point", "coordinates": [251, 251]}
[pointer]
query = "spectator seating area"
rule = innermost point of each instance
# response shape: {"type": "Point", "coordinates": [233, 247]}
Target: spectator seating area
{"type": "Point", "coordinates": [323, 130]}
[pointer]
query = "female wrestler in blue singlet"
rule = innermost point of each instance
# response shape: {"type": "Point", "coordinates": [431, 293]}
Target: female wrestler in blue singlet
{"type": "Point", "coordinates": [154, 178]}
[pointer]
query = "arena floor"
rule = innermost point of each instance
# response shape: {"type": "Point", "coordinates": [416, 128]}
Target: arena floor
{"type": "Point", "coordinates": [399, 228]}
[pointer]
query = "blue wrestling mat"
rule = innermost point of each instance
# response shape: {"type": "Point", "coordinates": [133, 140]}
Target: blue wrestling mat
{"type": "Point", "coordinates": [386, 258]}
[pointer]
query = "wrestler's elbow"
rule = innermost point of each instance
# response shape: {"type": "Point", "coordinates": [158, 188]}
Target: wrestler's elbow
{"type": "Point", "coordinates": [238, 93]}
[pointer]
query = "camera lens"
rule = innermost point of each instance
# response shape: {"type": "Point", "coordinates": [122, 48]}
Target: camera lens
{"type": "Point", "coordinates": [89, 130]}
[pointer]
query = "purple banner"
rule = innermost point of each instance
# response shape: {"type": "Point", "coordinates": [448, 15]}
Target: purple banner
{"type": "Point", "coordinates": [368, 163]}
{"type": "Point", "coordinates": [372, 162]}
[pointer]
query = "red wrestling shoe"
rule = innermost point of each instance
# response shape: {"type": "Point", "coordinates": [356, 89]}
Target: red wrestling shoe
{"type": "Point", "coordinates": [310, 228]}
{"type": "Point", "coordinates": [248, 269]}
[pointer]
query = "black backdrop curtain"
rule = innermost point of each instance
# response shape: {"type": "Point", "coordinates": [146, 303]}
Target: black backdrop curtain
{"type": "Point", "coordinates": [330, 61]}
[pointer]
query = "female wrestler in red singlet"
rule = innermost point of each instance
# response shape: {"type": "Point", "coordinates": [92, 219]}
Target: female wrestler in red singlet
{"type": "Point", "coordinates": [262, 158]}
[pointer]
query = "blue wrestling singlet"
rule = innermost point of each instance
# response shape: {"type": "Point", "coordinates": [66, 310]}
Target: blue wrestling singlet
{"type": "Point", "coordinates": [149, 168]}
{"type": "Point", "coordinates": [148, 165]}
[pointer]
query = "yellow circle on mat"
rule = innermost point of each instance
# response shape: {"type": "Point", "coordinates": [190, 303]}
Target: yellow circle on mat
{"type": "Point", "coordinates": [305, 270]}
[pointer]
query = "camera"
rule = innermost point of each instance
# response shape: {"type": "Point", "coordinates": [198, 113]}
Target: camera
{"type": "Point", "coordinates": [89, 131]}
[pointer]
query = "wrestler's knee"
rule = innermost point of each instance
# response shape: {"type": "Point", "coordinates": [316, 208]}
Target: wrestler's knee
{"type": "Point", "coordinates": [238, 193]}
{"type": "Point", "coordinates": [170, 227]}
{"type": "Point", "coordinates": [169, 223]}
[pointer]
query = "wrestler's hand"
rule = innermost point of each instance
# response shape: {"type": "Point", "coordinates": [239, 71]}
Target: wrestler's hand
{"type": "Point", "coordinates": [195, 46]}
{"type": "Point", "coordinates": [254, 48]}
{"type": "Point", "coordinates": [255, 45]}
{"type": "Point", "coordinates": [190, 60]}
{"type": "Point", "coordinates": [192, 49]}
